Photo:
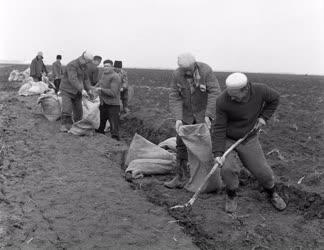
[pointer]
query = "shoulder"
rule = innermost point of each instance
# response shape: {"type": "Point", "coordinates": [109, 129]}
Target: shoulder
{"type": "Point", "coordinates": [204, 67]}
{"type": "Point", "coordinates": [221, 99]}
{"type": "Point", "coordinates": [259, 87]}
{"type": "Point", "coordinates": [34, 60]}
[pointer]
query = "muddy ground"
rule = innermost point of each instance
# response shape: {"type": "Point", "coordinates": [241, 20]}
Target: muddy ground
{"type": "Point", "coordinates": [60, 191]}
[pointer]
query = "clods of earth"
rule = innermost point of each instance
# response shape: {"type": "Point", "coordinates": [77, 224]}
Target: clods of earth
{"type": "Point", "coordinates": [59, 191]}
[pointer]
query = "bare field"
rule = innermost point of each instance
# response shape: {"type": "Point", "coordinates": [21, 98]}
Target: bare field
{"type": "Point", "coordinates": [62, 191]}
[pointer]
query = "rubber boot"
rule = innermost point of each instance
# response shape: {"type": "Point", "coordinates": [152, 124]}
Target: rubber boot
{"type": "Point", "coordinates": [275, 199]}
{"type": "Point", "coordinates": [231, 201]}
{"type": "Point", "coordinates": [180, 179]}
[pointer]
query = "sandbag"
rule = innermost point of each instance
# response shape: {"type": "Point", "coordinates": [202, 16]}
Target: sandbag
{"type": "Point", "coordinates": [169, 144]}
{"type": "Point", "coordinates": [15, 75]}
{"type": "Point", "coordinates": [90, 119]}
{"type": "Point", "coordinates": [146, 158]}
{"type": "Point", "coordinates": [198, 142]}
{"type": "Point", "coordinates": [50, 105]}
{"type": "Point", "coordinates": [32, 88]}
{"type": "Point", "coordinates": [140, 167]}
{"type": "Point", "coordinates": [91, 111]}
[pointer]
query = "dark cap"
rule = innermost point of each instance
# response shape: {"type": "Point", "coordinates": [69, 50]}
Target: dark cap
{"type": "Point", "coordinates": [59, 57]}
{"type": "Point", "coordinates": [118, 64]}
{"type": "Point", "coordinates": [108, 61]}
{"type": "Point", "coordinates": [97, 58]}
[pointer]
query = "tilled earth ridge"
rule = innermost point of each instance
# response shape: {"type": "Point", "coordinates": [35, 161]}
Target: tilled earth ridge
{"type": "Point", "coordinates": [59, 191]}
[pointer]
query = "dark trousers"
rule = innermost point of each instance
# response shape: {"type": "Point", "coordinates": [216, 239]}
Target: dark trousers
{"type": "Point", "coordinates": [71, 104]}
{"type": "Point", "coordinates": [111, 113]}
{"type": "Point", "coordinates": [37, 78]}
{"type": "Point", "coordinates": [124, 97]}
{"type": "Point", "coordinates": [57, 83]}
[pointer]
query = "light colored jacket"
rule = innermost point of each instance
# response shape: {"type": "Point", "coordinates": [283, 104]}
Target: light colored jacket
{"type": "Point", "coordinates": [57, 70]}
{"type": "Point", "coordinates": [192, 103]}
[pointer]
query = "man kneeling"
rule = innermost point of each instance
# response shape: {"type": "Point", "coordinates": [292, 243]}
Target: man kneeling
{"type": "Point", "coordinates": [240, 108]}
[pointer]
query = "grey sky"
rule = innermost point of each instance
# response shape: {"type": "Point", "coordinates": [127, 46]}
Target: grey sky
{"type": "Point", "coordinates": [249, 35]}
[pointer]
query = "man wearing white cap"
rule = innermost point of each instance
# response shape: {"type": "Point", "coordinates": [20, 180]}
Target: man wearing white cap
{"type": "Point", "coordinates": [37, 67]}
{"type": "Point", "coordinates": [192, 100]}
{"type": "Point", "coordinates": [75, 83]}
{"type": "Point", "coordinates": [240, 108]}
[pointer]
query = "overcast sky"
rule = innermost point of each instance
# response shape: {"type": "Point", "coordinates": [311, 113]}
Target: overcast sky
{"type": "Point", "coordinates": [229, 35]}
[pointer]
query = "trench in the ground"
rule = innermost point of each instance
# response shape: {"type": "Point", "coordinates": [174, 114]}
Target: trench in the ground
{"type": "Point", "coordinates": [307, 204]}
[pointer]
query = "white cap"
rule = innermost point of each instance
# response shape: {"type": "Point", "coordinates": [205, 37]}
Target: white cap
{"type": "Point", "coordinates": [40, 53]}
{"type": "Point", "coordinates": [185, 60]}
{"type": "Point", "coordinates": [236, 81]}
{"type": "Point", "coordinates": [87, 55]}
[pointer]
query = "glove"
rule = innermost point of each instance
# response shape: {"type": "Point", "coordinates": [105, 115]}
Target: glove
{"type": "Point", "coordinates": [177, 125]}
{"type": "Point", "coordinates": [84, 93]}
{"type": "Point", "coordinates": [260, 122]}
{"type": "Point", "coordinates": [208, 122]}
{"type": "Point", "coordinates": [220, 160]}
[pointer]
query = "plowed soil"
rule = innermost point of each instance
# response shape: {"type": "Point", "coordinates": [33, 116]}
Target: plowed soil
{"type": "Point", "coordinates": [64, 192]}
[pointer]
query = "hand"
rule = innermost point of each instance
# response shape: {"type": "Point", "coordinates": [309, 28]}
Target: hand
{"type": "Point", "coordinates": [121, 89]}
{"type": "Point", "coordinates": [220, 160]}
{"type": "Point", "coordinates": [84, 93]}
{"type": "Point", "coordinates": [260, 122]}
{"type": "Point", "coordinates": [177, 125]}
{"type": "Point", "coordinates": [208, 122]}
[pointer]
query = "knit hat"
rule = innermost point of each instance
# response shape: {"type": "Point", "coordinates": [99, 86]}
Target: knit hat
{"type": "Point", "coordinates": [40, 53]}
{"type": "Point", "coordinates": [118, 64]}
{"type": "Point", "coordinates": [87, 55]}
{"type": "Point", "coordinates": [59, 57]}
{"type": "Point", "coordinates": [185, 60]}
{"type": "Point", "coordinates": [236, 81]}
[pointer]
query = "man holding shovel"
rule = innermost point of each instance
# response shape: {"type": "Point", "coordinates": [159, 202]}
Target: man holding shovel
{"type": "Point", "coordinates": [240, 108]}
{"type": "Point", "coordinates": [192, 100]}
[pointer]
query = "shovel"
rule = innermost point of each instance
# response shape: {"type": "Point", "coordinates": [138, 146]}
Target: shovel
{"type": "Point", "coordinates": [188, 205]}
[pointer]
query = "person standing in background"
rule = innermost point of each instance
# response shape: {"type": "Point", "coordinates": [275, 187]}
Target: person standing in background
{"type": "Point", "coordinates": [118, 65]}
{"type": "Point", "coordinates": [93, 70]}
{"type": "Point", "coordinates": [57, 72]}
{"type": "Point", "coordinates": [38, 68]}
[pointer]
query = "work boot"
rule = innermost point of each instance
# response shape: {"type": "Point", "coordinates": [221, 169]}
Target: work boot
{"type": "Point", "coordinates": [277, 201]}
{"type": "Point", "coordinates": [64, 129]}
{"type": "Point", "coordinates": [176, 182]}
{"type": "Point", "coordinates": [231, 201]}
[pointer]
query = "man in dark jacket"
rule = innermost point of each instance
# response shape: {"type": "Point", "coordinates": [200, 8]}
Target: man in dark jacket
{"type": "Point", "coordinates": [57, 72]}
{"type": "Point", "coordinates": [93, 70]}
{"type": "Point", "coordinates": [118, 65]}
{"type": "Point", "coordinates": [192, 100]}
{"type": "Point", "coordinates": [74, 85]}
{"type": "Point", "coordinates": [37, 67]}
{"type": "Point", "coordinates": [108, 89]}
{"type": "Point", "coordinates": [244, 106]}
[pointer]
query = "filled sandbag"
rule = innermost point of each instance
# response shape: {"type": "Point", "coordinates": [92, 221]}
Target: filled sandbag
{"type": "Point", "coordinates": [200, 158]}
{"type": "Point", "coordinates": [140, 167]}
{"type": "Point", "coordinates": [15, 75]}
{"type": "Point", "coordinates": [169, 144]}
{"type": "Point", "coordinates": [33, 88]}
{"type": "Point", "coordinates": [90, 119]}
{"type": "Point", "coordinates": [146, 158]}
{"type": "Point", "coordinates": [50, 106]}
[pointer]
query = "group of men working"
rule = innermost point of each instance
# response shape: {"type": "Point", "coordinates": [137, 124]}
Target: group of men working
{"type": "Point", "coordinates": [242, 107]}
{"type": "Point", "coordinates": [81, 78]}
{"type": "Point", "coordinates": [195, 98]}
